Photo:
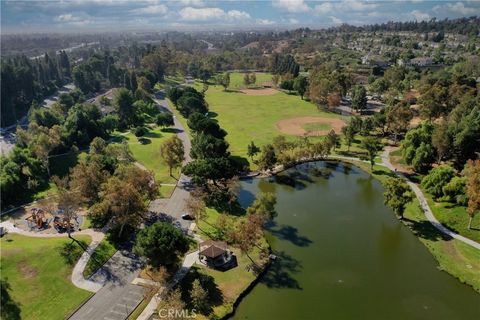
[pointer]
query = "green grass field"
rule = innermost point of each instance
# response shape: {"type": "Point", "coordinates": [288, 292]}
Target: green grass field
{"type": "Point", "coordinates": [149, 155]}
{"type": "Point", "coordinates": [236, 80]}
{"type": "Point", "coordinates": [100, 256]}
{"type": "Point", "coordinates": [454, 217]}
{"type": "Point", "coordinates": [253, 118]}
{"type": "Point", "coordinates": [39, 277]}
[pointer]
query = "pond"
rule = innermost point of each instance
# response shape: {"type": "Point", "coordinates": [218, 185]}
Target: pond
{"type": "Point", "coordinates": [342, 254]}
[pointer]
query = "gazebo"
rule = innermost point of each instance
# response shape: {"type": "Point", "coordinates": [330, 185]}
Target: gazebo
{"type": "Point", "coordinates": [215, 254]}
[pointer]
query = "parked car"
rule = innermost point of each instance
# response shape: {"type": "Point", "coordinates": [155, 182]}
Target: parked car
{"type": "Point", "coordinates": [187, 216]}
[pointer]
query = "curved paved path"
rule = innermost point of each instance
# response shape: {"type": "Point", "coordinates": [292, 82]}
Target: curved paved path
{"type": "Point", "coordinates": [423, 203]}
{"type": "Point", "coordinates": [77, 274]}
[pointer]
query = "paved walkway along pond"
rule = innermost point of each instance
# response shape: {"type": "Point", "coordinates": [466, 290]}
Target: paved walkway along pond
{"type": "Point", "coordinates": [343, 255]}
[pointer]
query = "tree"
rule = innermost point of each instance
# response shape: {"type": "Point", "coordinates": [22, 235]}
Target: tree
{"type": "Point", "coordinates": [441, 140]}
{"type": "Point", "coordinates": [123, 101]}
{"type": "Point", "coordinates": [359, 99]}
{"type": "Point", "coordinates": [334, 99]}
{"type": "Point", "coordinates": [437, 179]}
{"type": "Point", "coordinates": [372, 145]}
{"type": "Point", "coordinates": [161, 243]}
{"type": "Point", "coordinates": [199, 297]}
{"type": "Point", "coordinates": [68, 203]}
{"type": "Point", "coordinates": [349, 135]}
{"type": "Point", "coordinates": [172, 301]}
{"type": "Point", "coordinates": [248, 233]}
{"type": "Point", "coordinates": [165, 119]}
{"type": "Point", "coordinates": [397, 195]}
{"type": "Point", "coordinates": [268, 158]}
{"type": "Point", "coordinates": [417, 148]}
{"type": "Point", "coordinates": [172, 152]}
{"type": "Point", "coordinates": [398, 118]}
{"type": "Point", "coordinates": [252, 150]}
{"type": "Point", "coordinates": [87, 178]}
{"type": "Point", "coordinates": [333, 139]}
{"type": "Point", "coordinates": [224, 80]}
{"type": "Point", "coordinates": [196, 206]}
{"type": "Point", "coordinates": [206, 146]}
{"type": "Point", "coordinates": [472, 172]}
{"type": "Point", "coordinates": [300, 85]}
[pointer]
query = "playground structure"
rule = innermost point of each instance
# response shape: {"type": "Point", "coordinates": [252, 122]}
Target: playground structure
{"type": "Point", "coordinates": [37, 219]}
{"type": "Point", "coordinates": [62, 224]}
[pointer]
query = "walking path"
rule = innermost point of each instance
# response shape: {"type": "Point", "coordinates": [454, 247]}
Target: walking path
{"type": "Point", "coordinates": [423, 203]}
{"type": "Point", "coordinates": [77, 273]}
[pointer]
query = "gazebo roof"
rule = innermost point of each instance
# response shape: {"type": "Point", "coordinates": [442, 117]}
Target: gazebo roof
{"type": "Point", "coordinates": [213, 249]}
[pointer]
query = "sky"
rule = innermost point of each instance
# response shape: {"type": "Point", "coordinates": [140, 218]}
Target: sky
{"type": "Point", "coordinates": [116, 15]}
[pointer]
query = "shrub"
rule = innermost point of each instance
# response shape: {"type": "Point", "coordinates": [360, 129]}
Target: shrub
{"type": "Point", "coordinates": [140, 131]}
{"type": "Point", "coordinates": [437, 179]}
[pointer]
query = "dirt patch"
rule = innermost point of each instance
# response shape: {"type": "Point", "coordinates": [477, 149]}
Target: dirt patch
{"type": "Point", "coordinates": [27, 270]}
{"type": "Point", "coordinates": [296, 126]}
{"type": "Point", "coordinates": [260, 92]}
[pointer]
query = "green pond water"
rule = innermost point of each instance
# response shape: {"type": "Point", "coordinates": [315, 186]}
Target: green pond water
{"type": "Point", "coordinates": [342, 254]}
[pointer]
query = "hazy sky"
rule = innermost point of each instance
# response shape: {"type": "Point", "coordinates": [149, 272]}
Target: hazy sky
{"type": "Point", "coordinates": [111, 15]}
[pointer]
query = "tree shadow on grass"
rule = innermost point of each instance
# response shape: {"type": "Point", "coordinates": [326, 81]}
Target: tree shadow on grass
{"type": "Point", "coordinates": [279, 274]}
{"type": "Point", "coordinates": [171, 130]}
{"type": "Point", "coordinates": [424, 229]}
{"type": "Point", "coordinates": [9, 308]}
{"type": "Point", "coordinates": [288, 233]}
{"type": "Point", "coordinates": [214, 294]}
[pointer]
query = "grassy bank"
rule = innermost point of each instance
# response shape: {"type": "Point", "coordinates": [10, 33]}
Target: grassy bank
{"type": "Point", "coordinates": [38, 277]}
{"type": "Point", "coordinates": [104, 251]}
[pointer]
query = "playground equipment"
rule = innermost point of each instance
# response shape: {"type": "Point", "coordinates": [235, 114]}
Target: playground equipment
{"type": "Point", "coordinates": [62, 224]}
{"type": "Point", "coordinates": [37, 218]}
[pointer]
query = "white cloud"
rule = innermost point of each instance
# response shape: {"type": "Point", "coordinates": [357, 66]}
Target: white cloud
{"type": "Point", "coordinates": [265, 22]}
{"type": "Point", "coordinates": [325, 7]}
{"type": "Point", "coordinates": [156, 9]}
{"type": "Point", "coordinates": [192, 3]}
{"type": "Point", "coordinates": [71, 19]}
{"type": "Point", "coordinates": [293, 21]}
{"type": "Point", "coordinates": [457, 7]}
{"type": "Point", "coordinates": [336, 20]}
{"type": "Point", "coordinates": [236, 14]}
{"type": "Point", "coordinates": [205, 14]}
{"type": "Point", "coordinates": [291, 5]}
{"type": "Point", "coordinates": [420, 16]}
{"type": "Point", "coordinates": [356, 5]}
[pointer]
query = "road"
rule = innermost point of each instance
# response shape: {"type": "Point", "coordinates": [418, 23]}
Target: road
{"type": "Point", "coordinates": [174, 207]}
{"type": "Point", "coordinates": [424, 204]}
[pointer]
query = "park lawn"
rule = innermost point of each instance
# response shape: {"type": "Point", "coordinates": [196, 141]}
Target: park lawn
{"type": "Point", "coordinates": [103, 252]}
{"type": "Point", "coordinates": [39, 276]}
{"type": "Point", "coordinates": [453, 256]}
{"type": "Point", "coordinates": [236, 80]}
{"type": "Point", "coordinates": [249, 118]}
{"type": "Point", "coordinates": [149, 156]}
{"type": "Point", "coordinates": [454, 217]}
